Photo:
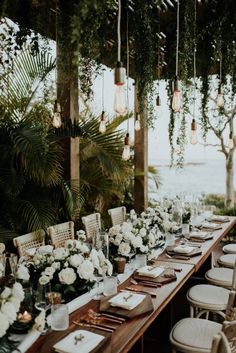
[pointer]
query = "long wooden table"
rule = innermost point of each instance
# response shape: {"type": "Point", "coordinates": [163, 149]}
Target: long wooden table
{"type": "Point", "coordinates": [132, 330]}
{"type": "Point", "coordinates": [207, 247]}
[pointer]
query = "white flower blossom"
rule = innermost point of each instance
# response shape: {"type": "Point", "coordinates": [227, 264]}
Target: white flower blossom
{"type": "Point", "coordinates": [67, 276]}
{"type": "Point", "coordinates": [75, 260]}
{"type": "Point", "coordinates": [23, 273]}
{"type": "Point", "coordinates": [124, 249]}
{"type": "Point", "coordinates": [86, 270]}
{"type": "Point", "coordinates": [60, 253]}
{"type": "Point", "coordinates": [4, 324]}
{"type": "Point", "coordinates": [44, 280]}
{"type": "Point", "coordinates": [5, 293]}
{"type": "Point", "coordinates": [9, 310]}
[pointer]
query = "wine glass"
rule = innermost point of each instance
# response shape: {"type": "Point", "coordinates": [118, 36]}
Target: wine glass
{"type": "Point", "coordinates": [98, 279]}
{"type": "Point", "coordinates": [41, 301]}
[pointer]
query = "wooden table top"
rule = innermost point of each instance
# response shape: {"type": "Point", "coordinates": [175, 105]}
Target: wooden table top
{"type": "Point", "coordinates": [128, 333]}
{"type": "Point", "coordinates": [206, 247]}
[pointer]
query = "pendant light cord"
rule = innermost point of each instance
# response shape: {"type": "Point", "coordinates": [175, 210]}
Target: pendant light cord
{"type": "Point", "coordinates": [127, 53]}
{"type": "Point", "coordinates": [177, 40]}
{"type": "Point", "coordinates": [118, 31]}
{"type": "Point", "coordinates": [220, 65]}
{"type": "Point", "coordinates": [194, 57]}
{"type": "Point", "coordinates": [158, 53]}
{"type": "Point", "coordinates": [103, 90]}
{"type": "Point", "coordinates": [56, 34]}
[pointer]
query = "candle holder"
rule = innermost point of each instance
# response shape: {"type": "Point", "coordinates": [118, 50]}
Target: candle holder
{"type": "Point", "coordinates": [25, 316]}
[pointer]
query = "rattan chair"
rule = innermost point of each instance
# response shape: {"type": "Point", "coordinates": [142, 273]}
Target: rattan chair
{"type": "Point", "coordinates": [206, 298]}
{"type": "Point", "coordinates": [28, 241]}
{"type": "Point", "coordinates": [229, 248]}
{"type": "Point", "coordinates": [220, 344]}
{"type": "Point", "coordinates": [227, 260]}
{"type": "Point", "coordinates": [92, 225]}
{"type": "Point", "coordinates": [194, 335]}
{"type": "Point", "coordinates": [59, 233]}
{"type": "Point", "coordinates": [117, 215]}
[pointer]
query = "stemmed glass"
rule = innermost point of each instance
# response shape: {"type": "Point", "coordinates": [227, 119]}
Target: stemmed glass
{"type": "Point", "coordinates": [41, 302]}
{"type": "Point", "coordinates": [98, 279]}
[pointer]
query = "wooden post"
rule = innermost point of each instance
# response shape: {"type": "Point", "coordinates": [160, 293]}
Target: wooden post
{"type": "Point", "coordinates": [67, 91]}
{"type": "Point", "coordinates": [140, 161]}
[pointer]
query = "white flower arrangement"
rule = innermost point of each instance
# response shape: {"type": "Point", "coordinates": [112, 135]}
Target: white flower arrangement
{"type": "Point", "coordinates": [10, 300]}
{"type": "Point", "coordinates": [71, 269]}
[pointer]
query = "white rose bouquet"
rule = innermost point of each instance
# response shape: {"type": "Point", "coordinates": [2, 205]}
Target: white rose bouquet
{"type": "Point", "coordinates": [70, 270]}
{"type": "Point", "coordinates": [11, 296]}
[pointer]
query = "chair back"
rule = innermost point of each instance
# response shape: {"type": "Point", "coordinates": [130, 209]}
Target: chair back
{"type": "Point", "coordinates": [229, 329]}
{"type": "Point", "coordinates": [220, 344]}
{"type": "Point", "coordinates": [234, 277]}
{"type": "Point", "coordinates": [29, 241]}
{"type": "Point", "coordinates": [230, 314]}
{"type": "Point", "coordinates": [117, 215]}
{"type": "Point", "coordinates": [92, 225]}
{"type": "Point", "coordinates": [59, 233]}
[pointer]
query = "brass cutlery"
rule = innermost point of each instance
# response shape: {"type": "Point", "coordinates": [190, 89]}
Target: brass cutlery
{"type": "Point", "coordinates": [94, 315]}
{"type": "Point", "coordinates": [153, 294]}
{"type": "Point", "coordinates": [118, 318]}
{"type": "Point", "coordinates": [95, 326]}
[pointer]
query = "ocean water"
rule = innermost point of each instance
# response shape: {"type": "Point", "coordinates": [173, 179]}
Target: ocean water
{"type": "Point", "coordinates": [197, 177]}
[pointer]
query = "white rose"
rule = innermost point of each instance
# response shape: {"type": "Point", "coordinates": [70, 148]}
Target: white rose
{"type": "Point", "coordinates": [56, 265]}
{"type": "Point", "coordinates": [9, 310]}
{"type": "Point", "coordinates": [2, 248]}
{"type": "Point", "coordinates": [84, 248]}
{"type": "Point", "coordinates": [45, 249]}
{"type": "Point", "coordinates": [126, 227]}
{"type": "Point", "coordinates": [40, 321]}
{"type": "Point", "coordinates": [109, 267]}
{"type": "Point", "coordinates": [44, 280]}
{"type": "Point", "coordinates": [5, 293]}
{"type": "Point", "coordinates": [143, 232]}
{"type": "Point", "coordinates": [69, 244]}
{"type": "Point", "coordinates": [17, 291]}
{"type": "Point", "coordinates": [151, 239]}
{"type": "Point", "coordinates": [81, 234]}
{"type": "Point", "coordinates": [114, 230]}
{"type": "Point", "coordinates": [144, 248]}
{"type": "Point", "coordinates": [23, 273]}
{"type": "Point", "coordinates": [67, 276]}
{"type": "Point", "coordinates": [75, 260]}
{"type": "Point", "coordinates": [124, 249]}
{"type": "Point", "coordinates": [60, 253]}
{"type": "Point", "coordinates": [4, 324]}
{"type": "Point", "coordinates": [86, 270]}
{"type": "Point", "coordinates": [137, 242]}
{"type": "Point", "coordinates": [49, 271]}
{"type": "Point", "coordinates": [101, 256]}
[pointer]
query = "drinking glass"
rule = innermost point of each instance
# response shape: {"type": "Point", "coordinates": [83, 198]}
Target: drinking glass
{"type": "Point", "coordinates": [59, 317]}
{"type": "Point", "coordinates": [41, 301]}
{"type": "Point", "coordinates": [141, 260]}
{"type": "Point", "coordinates": [110, 285]}
{"type": "Point", "coordinates": [97, 295]}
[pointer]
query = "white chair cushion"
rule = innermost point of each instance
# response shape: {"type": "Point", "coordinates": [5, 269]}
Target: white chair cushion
{"type": "Point", "coordinates": [229, 248]}
{"type": "Point", "coordinates": [227, 260]}
{"type": "Point", "coordinates": [194, 333]}
{"type": "Point", "coordinates": [220, 276]}
{"type": "Point", "coordinates": [209, 296]}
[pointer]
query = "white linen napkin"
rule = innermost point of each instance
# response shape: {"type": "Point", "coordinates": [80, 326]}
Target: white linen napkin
{"type": "Point", "coordinates": [69, 344]}
{"type": "Point", "coordinates": [28, 340]}
{"type": "Point", "coordinates": [218, 218]}
{"type": "Point", "coordinates": [127, 300]}
{"type": "Point", "coordinates": [211, 225]}
{"type": "Point", "coordinates": [198, 234]}
{"type": "Point", "coordinates": [183, 249]}
{"type": "Point", "coordinates": [150, 271]}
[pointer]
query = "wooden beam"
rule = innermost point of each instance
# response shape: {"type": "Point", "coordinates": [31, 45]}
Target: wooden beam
{"type": "Point", "coordinates": [67, 94]}
{"type": "Point", "coordinates": [140, 161]}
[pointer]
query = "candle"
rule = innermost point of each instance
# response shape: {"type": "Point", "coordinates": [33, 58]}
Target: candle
{"type": "Point", "coordinates": [25, 317]}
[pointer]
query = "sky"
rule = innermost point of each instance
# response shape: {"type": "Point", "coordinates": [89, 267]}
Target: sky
{"type": "Point", "coordinates": [159, 148]}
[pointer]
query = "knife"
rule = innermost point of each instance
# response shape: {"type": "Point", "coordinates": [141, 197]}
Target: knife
{"type": "Point", "coordinates": [118, 318]}
{"type": "Point", "coordinates": [99, 327]}
{"type": "Point", "coordinates": [153, 294]}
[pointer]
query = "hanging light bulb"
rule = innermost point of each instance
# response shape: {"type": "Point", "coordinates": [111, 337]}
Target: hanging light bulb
{"type": "Point", "coordinates": [158, 101]}
{"type": "Point", "coordinates": [126, 150]}
{"type": "Point", "coordinates": [137, 125]}
{"type": "Point", "coordinates": [231, 141]}
{"type": "Point", "coordinates": [56, 121]}
{"type": "Point", "coordinates": [220, 98]}
{"type": "Point", "coordinates": [177, 98]}
{"type": "Point", "coordinates": [193, 135]}
{"type": "Point", "coordinates": [120, 105]}
{"type": "Point", "coordinates": [102, 126]}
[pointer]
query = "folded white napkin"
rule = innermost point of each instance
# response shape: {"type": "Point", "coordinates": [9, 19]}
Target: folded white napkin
{"type": "Point", "coordinates": [127, 300]}
{"type": "Point", "coordinates": [150, 271]}
{"type": "Point", "coordinates": [88, 342]}
{"type": "Point", "coordinates": [219, 218]}
{"type": "Point", "coordinates": [45, 249]}
{"type": "Point", "coordinates": [210, 225]}
{"type": "Point", "coordinates": [198, 234]}
{"type": "Point", "coordinates": [183, 249]}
